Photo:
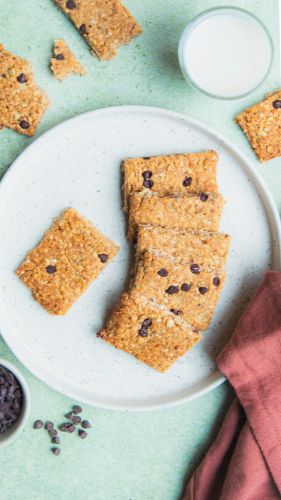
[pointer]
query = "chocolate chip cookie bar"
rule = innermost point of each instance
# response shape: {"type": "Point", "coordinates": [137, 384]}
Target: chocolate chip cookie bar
{"type": "Point", "coordinates": [193, 211]}
{"type": "Point", "coordinates": [64, 61]}
{"type": "Point", "coordinates": [202, 247]}
{"type": "Point", "coordinates": [262, 125]}
{"type": "Point", "coordinates": [22, 103]}
{"type": "Point", "coordinates": [104, 24]}
{"type": "Point", "coordinates": [149, 332]}
{"type": "Point", "coordinates": [187, 289]}
{"type": "Point", "coordinates": [71, 254]}
{"type": "Point", "coordinates": [180, 173]}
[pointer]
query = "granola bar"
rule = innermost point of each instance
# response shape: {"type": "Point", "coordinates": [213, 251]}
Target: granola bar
{"type": "Point", "coordinates": [180, 173]}
{"type": "Point", "coordinates": [64, 61]}
{"type": "Point", "coordinates": [71, 254]}
{"type": "Point", "coordinates": [105, 24]}
{"type": "Point", "coordinates": [22, 103]}
{"type": "Point", "coordinates": [149, 332]}
{"type": "Point", "coordinates": [262, 124]}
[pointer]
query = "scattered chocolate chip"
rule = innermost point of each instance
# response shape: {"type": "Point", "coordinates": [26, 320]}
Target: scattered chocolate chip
{"type": "Point", "coordinates": [82, 29]}
{"type": "Point", "coordinates": [59, 57]}
{"type": "Point", "coordinates": [52, 432]}
{"type": "Point", "coordinates": [38, 424]}
{"type": "Point", "coordinates": [203, 196]}
{"type": "Point", "coordinates": [277, 104]}
{"type": "Point", "coordinates": [65, 426]}
{"type": "Point", "coordinates": [71, 428]}
{"type": "Point", "coordinates": [77, 409]}
{"type": "Point", "coordinates": [143, 332]}
{"type": "Point", "coordinates": [187, 181]}
{"type": "Point", "coordinates": [69, 415]}
{"type": "Point", "coordinates": [56, 451]}
{"type": "Point", "coordinates": [172, 289]}
{"type": "Point", "coordinates": [216, 281]}
{"type": "Point", "coordinates": [195, 269]}
{"type": "Point", "coordinates": [162, 272]}
{"type": "Point", "coordinates": [51, 269]}
{"type": "Point", "coordinates": [103, 257]}
{"type": "Point", "coordinates": [146, 157]}
{"type": "Point", "coordinates": [70, 4]}
{"type": "Point", "coordinates": [75, 419]}
{"type": "Point", "coordinates": [49, 426]}
{"type": "Point", "coordinates": [177, 312]}
{"type": "Point", "coordinates": [22, 78]}
{"type": "Point", "coordinates": [24, 124]}
{"type": "Point", "coordinates": [82, 434]}
{"type": "Point", "coordinates": [185, 287]}
{"type": "Point", "coordinates": [203, 289]}
{"type": "Point", "coordinates": [55, 440]}
{"type": "Point", "coordinates": [147, 174]}
{"type": "Point", "coordinates": [148, 184]}
{"type": "Point", "coordinates": [85, 424]}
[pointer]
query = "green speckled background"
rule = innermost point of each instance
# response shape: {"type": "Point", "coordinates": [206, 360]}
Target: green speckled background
{"type": "Point", "coordinates": [137, 456]}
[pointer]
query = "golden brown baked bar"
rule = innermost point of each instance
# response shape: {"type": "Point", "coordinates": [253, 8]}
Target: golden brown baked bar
{"type": "Point", "coordinates": [181, 174]}
{"type": "Point", "coordinates": [192, 211]}
{"type": "Point", "coordinates": [71, 254]}
{"type": "Point", "coordinates": [22, 103]}
{"type": "Point", "coordinates": [149, 332]}
{"type": "Point", "coordinates": [105, 24]}
{"type": "Point", "coordinates": [205, 248]}
{"type": "Point", "coordinates": [187, 289]}
{"type": "Point", "coordinates": [64, 61]}
{"type": "Point", "coordinates": [262, 125]}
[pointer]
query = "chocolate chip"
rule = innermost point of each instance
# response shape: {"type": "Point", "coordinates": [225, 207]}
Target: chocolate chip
{"type": "Point", "coordinates": [75, 419]}
{"type": "Point", "coordinates": [176, 311]}
{"type": "Point", "coordinates": [146, 157]}
{"type": "Point", "coordinates": [51, 269]}
{"type": "Point", "coordinates": [195, 269]}
{"type": "Point", "coordinates": [216, 281]}
{"type": "Point", "coordinates": [85, 424]}
{"type": "Point", "coordinates": [203, 289]}
{"type": "Point", "coordinates": [82, 434]}
{"type": "Point", "coordinates": [65, 426]}
{"type": "Point", "coordinates": [11, 399]}
{"type": "Point", "coordinates": [172, 289]}
{"type": "Point", "coordinates": [147, 174]}
{"type": "Point", "coordinates": [148, 184]}
{"type": "Point", "coordinates": [203, 196]}
{"type": "Point", "coordinates": [185, 287]}
{"type": "Point", "coordinates": [52, 432]}
{"type": "Point", "coordinates": [143, 332]}
{"type": "Point", "coordinates": [77, 409]}
{"type": "Point", "coordinates": [56, 451]}
{"type": "Point", "coordinates": [60, 57]}
{"type": "Point", "coordinates": [22, 78]}
{"type": "Point", "coordinates": [103, 257]}
{"type": "Point", "coordinates": [187, 181]}
{"type": "Point", "coordinates": [162, 272]}
{"type": "Point", "coordinates": [70, 4]}
{"type": "Point", "coordinates": [69, 415]}
{"type": "Point", "coordinates": [82, 29]}
{"type": "Point", "coordinates": [55, 440]}
{"type": "Point", "coordinates": [147, 322]}
{"type": "Point", "coordinates": [38, 424]}
{"type": "Point", "coordinates": [24, 124]}
{"type": "Point", "coordinates": [277, 104]}
{"type": "Point", "coordinates": [49, 426]}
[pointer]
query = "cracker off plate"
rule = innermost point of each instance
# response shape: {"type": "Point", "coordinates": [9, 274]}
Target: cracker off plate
{"type": "Point", "coordinates": [78, 164]}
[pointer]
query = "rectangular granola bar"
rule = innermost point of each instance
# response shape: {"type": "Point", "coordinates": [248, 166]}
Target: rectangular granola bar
{"type": "Point", "coordinates": [192, 211]}
{"type": "Point", "coordinates": [180, 173]}
{"type": "Point", "coordinates": [71, 254]}
{"type": "Point", "coordinates": [202, 247]}
{"type": "Point", "coordinates": [149, 332]}
{"type": "Point", "coordinates": [262, 124]}
{"type": "Point", "coordinates": [187, 289]}
{"type": "Point", "coordinates": [22, 103]}
{"type": "Point", "coordinates": [105, 24]}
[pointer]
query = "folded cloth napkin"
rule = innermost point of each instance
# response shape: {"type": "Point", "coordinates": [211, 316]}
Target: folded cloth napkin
{"type": "Point", "coordinates": [244, 462]}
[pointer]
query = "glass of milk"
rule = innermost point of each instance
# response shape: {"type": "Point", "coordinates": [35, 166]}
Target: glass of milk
{"type": "Point", "coordinates": [225, 52]}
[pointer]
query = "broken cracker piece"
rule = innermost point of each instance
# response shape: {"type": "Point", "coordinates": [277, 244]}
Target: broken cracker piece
{"type": "Point", "coordinates": [64, 61]}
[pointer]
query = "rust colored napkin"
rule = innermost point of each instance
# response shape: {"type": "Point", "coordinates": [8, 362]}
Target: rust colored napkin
{"type": "Point", "coordinates": [244, 462]}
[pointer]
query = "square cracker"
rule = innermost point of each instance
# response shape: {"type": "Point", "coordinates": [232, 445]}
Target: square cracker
{"type": "Point", "coordinates": [202, 247]}
{"type": "Point", "coordinates": [105, 24]}
{"type": "Point", "coordinates": [188, 290]}
{"type": "Point", "coordinates": [180, 173]}
{"type": "Point", "coordinates": [22, 103]}
{"type": "Point", "coordinates": [192, 211]}
{"type": "Point", "coordinates": [262, 125]}
{"type": "Point", "coordinates": [71, 254]}
{"type": "Point", "coordinates": [149, 332]}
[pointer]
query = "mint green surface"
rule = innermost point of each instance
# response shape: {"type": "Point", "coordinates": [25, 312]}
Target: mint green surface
{"type": "Point", "coordinates": [137, 456]}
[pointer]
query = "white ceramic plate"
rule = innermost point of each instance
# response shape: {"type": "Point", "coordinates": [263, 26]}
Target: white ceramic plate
{"type": "Point", "coordinates": [78, 164]}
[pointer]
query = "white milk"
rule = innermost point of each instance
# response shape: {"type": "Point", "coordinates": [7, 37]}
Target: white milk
{"type": "Point", "coordinates": [227, 54]}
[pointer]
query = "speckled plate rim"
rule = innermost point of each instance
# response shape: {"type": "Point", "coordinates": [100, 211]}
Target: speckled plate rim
{"type": "Point", "coordinates": [18, 168]}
